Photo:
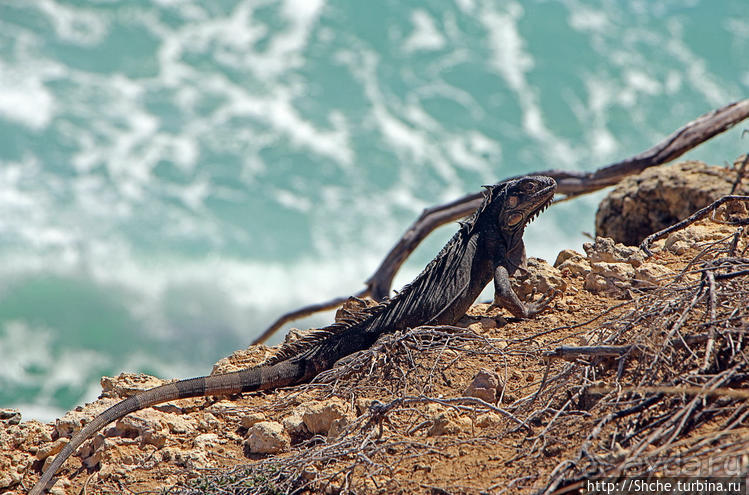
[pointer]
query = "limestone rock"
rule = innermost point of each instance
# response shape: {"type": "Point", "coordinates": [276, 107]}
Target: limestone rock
{"type": "Point", "coordinates": [659, 197]}
{"type": "Point", "coordinates": [146, 425]}
{"type": "Point", "coordinates": [60, 486]}
{"type": "Point", "coordinates": [128, 384]}
{"type": "Point", "coordinates": [10, 416]}
{"type": "Point", "coordinates": [337, 427]}
{"type": "Point", "coordinates": [206, 440]}
{"type": "Point", "coordinates": [447, 422]}
{"type": "Point", "coordinates": [606, 250]}
{"type": "Point", "coordinates": [251, 419]}
{"type": "Point", "coordinates": [267, 437]}
{"type": "Point", "coordinates": [225, 409]}
{"type": "Point", "coordinates": [488, 420]}
{"type": "Point", "coordinates": [294, 424]}
{"type": "Point", "coordinates": [572, 262]}
{"type": "Point", "coordinates": [243, 358]}
{"type": "Point", "coordinates": [597, 283]}
{"type": "Point", "coordinates": [52, 448]}
{"type": "Point", "coordinates": [190, 459]}
{"type": "Point", "coordinates": [177, 423]}
{"type": "Point", "coordinates": [652, 274]}
{"type": "Point", "coordinates": [690, 237]}
{"type": "Point", "coordinates": [614, 271]}
{"type": "Point", "coordinates": [207, 422]}
{"type": "Point", "coordinates": [486, 385]}
{"type": "Point", "coordinates": [97, 450]}
{"type": "Point", "coordinates": [538, 278]}
{"type": "Point", "coordinates": [319, 416]}
{"type": "Point", "coordinates": [19, 445]}
{"type": "Point", "coordinates": [74, 420]}
{"type": "Point", "coordinates": [616, 268]}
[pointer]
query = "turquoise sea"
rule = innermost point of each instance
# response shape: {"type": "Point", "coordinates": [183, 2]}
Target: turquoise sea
{"type": "Point", "coordinates": [174, 174]}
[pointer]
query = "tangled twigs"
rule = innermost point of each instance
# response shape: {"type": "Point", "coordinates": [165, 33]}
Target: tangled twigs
{"type": "Point", "coordinates": [458, 403]}
{"type": "Point", "coordinates": [699, 214]}
{"type": "Point", "coordinates": [678, 382]}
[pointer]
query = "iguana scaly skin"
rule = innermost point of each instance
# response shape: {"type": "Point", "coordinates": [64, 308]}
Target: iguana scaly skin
{"type": "Point", "coordinates": [488, 246]}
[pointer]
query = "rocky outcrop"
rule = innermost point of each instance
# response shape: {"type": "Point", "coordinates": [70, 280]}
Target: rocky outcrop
{"type": "Point", "coordinates": [539, 277]}
{"type": "Point", "coordinates": [615, 268]}
{"type": "Point", "coordinates": [21, 445]}
{"type": "Point", "coordinates": [661, 196]}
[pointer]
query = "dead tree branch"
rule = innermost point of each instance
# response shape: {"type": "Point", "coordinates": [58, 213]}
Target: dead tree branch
{"type": "Point", "coordinates": [570, 184]}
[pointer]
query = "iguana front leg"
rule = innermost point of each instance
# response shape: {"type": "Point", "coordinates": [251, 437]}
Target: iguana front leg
{"type": "Point", "coordinates": [505, 297]}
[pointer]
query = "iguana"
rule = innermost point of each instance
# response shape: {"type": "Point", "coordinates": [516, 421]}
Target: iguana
{"type": "Point", "coordinates": [488, 245]}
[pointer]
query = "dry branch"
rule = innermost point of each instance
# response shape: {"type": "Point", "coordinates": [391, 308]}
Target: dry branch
{"type": "Point", "coordinates": [569, 183]}
{"type": "Point", "coordinates": [699, 214]}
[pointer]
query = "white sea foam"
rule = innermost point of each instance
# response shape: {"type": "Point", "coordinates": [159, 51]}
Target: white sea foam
{"type": "Point", "coordinates": [512, 61]}
{"type": "Point", "coordinates": [414, 144]}
{"type": "Point", "coordinates": [72, 368]}
{"type": "Point", "coordinates": [23, 96]}
{"type": "Point", "coordinates": [586, 18]}
{"type": "Point", "coordinates": [695, 67]}
{"type": "Point", "coordinates": [74, 24]}
{"type": "Point", "coordinates": [425, 35]}
{"type": "Point", "coordinates": [466, 6]}
{"type": "Point", "coordinates": [40, 412]}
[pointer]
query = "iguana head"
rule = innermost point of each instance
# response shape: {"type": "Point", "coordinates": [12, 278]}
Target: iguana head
{"type": "Point", "coordinates": [522, 200]}
{"type": "Point", "coordinates": [512, 204]}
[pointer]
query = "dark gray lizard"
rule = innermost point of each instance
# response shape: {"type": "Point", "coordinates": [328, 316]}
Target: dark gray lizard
{"type": "Point", "coordinates": [488, 245]}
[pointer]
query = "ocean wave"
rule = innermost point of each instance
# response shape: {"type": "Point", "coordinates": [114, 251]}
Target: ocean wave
{"type": "Point", "coordinates": [189, 171]}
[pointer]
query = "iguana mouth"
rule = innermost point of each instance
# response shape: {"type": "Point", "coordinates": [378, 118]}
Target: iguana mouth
{"type": "Point", "coordinates": [540, 209]}
{"type": "Point", "coordinates": [548, 193]}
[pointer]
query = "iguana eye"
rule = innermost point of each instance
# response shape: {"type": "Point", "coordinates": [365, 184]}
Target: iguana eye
{"type": "Point", "coordinates": [514, 219]}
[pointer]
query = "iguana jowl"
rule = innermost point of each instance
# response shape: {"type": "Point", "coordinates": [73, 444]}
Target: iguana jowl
{"type": "Point", "coordinates": [488, 245]}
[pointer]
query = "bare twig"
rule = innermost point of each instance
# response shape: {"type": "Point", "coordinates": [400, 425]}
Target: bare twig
{"type": "Point", "coordinates": [693, 391]}
{"type": "Point", "coordinates": [740, 174]}
{"type": "Point", "coordinates": [699, 214]}
{"type": "Point", "coordinates": [570, 353]}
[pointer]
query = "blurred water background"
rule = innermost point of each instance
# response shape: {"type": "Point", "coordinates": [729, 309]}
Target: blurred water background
{"type": "Point", "coordinates": [174, 174]}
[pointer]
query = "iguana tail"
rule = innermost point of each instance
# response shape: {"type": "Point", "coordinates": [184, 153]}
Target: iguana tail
{"type": "Point", "coordinates": [258, 378]}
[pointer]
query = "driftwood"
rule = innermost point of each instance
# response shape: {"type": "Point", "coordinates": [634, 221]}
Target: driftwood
{"type": "Point", "coordinates": [570, 184]}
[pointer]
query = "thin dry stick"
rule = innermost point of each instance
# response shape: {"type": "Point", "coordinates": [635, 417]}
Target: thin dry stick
{"type": "Point", "coordinates": [645, 245]}
{"type": "Point", "coordinates": [740, 174]}
{"type": "Point", "coordinates": [712, 301]}
{"type": "Point", "coordinates": [573, 353]}
{"type": "Point", "coordinates": [571, 184]}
